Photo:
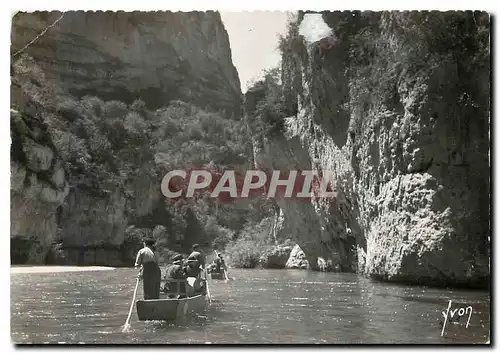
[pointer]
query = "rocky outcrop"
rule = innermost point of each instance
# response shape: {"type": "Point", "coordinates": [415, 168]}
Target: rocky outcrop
{"type": "Point", "coordinates": [38, 188]}
{"type": "Point", "coordinates": [399, 109]}
{"type": "Point", "coordinates": [309, 224]}
{"type": "Point", "coordinates": [275, 258]}
{"type": "Point", "coordinates": [297, 259]}
{"type": "Point", "coordinates": [321, 264]}
{"type": "Point", "coordinates": [155, 56]}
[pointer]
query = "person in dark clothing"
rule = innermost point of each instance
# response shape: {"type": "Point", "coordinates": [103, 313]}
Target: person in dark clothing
{"type": "Point", "coordinates": [196, 254]}
{"type": "Point", "coordinates": [176, 269]}
{"type": "Point", "coordinates": [193, 270]}
{"type": "Point", "coordinates": [150, 271]}
{"type": "Point", "coordinates": [220, 265]}
{"type": "Point", "coordinates": [216, 264]}
{"type": "Point", "coordinates": [193, 267]}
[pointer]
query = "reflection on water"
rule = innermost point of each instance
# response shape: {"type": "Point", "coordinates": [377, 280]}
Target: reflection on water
{"type": "Point", "coordinates": [260, 306]}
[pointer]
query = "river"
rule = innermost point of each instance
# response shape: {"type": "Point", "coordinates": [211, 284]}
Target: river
{"type": "Point", "coordinates": [259, 306]}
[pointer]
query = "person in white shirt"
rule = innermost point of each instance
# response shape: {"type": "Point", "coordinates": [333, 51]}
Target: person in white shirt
{"type": "Point", "coordinates": [150, 271]}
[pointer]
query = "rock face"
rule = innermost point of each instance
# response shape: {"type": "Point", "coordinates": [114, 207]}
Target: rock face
{"type": "Point", "coordinates": [321, 264]}
{"type": "Point", "coordinates": [399, 109]}
{"type": "Point", "coordinates": [154, 56]}
{"type": "Point", "coordinates": [158, 57]}
{"type": "Point", "coordinates": [297, 259]}
{"type": "Point", "coordinates": [275, 258]}
{"type": "Point", "coordinates": [38, 188]}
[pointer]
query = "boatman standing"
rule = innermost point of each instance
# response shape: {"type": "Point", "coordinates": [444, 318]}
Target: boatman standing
{"type": "Point", "coordinates": [150, 271]}
{"type": "Point", "coordinates": [221, 265]}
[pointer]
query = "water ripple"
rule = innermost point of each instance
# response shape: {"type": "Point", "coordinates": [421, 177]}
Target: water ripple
{"type": "Point", "coordinates": [259, 307]}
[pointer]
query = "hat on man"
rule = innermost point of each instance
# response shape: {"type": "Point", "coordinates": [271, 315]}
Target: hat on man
{"type": "Point", "coordinates": [149, 241]}
{"type": "Point", "coordinates": [195, 246]}
{"type": "Point", "coordinates": [192, 259]}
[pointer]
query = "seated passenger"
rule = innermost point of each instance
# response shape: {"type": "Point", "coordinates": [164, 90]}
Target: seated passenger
{"type": "Point", "coordinates": [174, 271]}
{"type": "Point", "coordinates": [198, 285]}
{"type": "Point", "coordinates": [196, 254]}
{"type": "Point", "coordinates": [193, 267]}
{"type": "Point", "coordinates": [210, 268]}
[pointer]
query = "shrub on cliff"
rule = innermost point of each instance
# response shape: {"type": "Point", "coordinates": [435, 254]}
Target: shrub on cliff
{"type": "Point", "coordinates": [290, 41]}
{"type": "Point", "coordinates": [267, 117]}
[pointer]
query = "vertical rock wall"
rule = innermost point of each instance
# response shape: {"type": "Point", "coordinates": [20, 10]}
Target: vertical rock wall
{"type": "Point", "coordinates": [399, 109]}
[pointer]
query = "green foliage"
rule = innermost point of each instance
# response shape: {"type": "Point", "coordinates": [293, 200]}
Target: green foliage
{"type": "Point", "coordinates": [198, 137]}
{"type": "Point", "coordinates": [138, 106]}
{"type": "Point", "coordinates": [269, 112]}
{"type": "Point", "coordinates": [414, 45]}
{"type": "Point", "coordinates": [114, 110]}
{"type": "Point", "coordinates": [135, 235]}
{"type": "Point", "coordinates": [166, 256]}
{"type": "Point", "coordinates": [55, 254]}
{"type": "Point", "coordinates": [291, 41]}
{"type": "Point", "coordinates": [244, 253]}
{"type": "Point", "coordinates": [253, 241]}
{"type": "Point", "coordinates": [218, 235]}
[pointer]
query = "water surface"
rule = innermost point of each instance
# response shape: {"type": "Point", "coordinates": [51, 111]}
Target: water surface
{"type": "Point", "coordinates": [259, 306]}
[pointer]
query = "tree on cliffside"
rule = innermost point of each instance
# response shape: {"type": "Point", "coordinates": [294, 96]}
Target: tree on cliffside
{"type": "Point", "coordinates": [267, 117]}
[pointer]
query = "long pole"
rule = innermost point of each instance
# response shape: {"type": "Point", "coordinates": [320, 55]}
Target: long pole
{"type": "Point", "coordinates": [126, 326]}
{"type": "Point", "coordinates": [208, 289]}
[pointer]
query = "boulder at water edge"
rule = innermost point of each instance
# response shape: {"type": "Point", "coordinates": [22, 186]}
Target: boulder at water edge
{"type": "Point", "coordinates": [297, 259]}
{"type": "Point", "coordinates": [275, 257]}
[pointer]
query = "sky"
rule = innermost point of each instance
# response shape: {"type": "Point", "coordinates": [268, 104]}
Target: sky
{"type": "Point", "coordinates": [254, 39]}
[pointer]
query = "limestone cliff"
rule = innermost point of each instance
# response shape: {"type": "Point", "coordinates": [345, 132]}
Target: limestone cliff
{"type": "Point", "coordinates": [154, 56]}
{"type": "Point", "coordinates": [399, 109]}
{"type": "Point", "coordinates": [38, 187]}
{"type": "Point", "coordinates": [83, 154]}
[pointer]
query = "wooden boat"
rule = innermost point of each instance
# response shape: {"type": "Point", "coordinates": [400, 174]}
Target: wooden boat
{"type": "Point", "coordinates": [180, 301]}
{"type": "Point", "coordinates": [219, 276]}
